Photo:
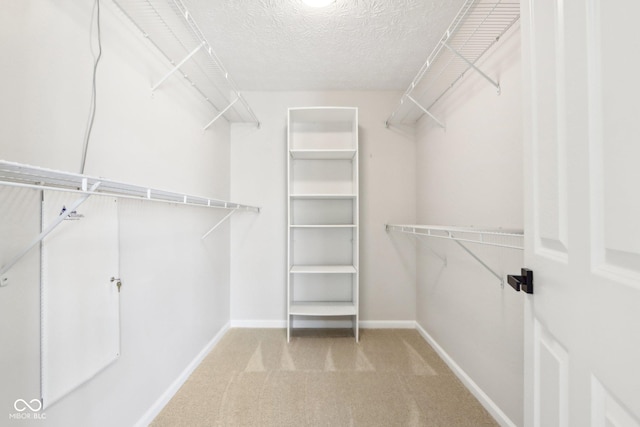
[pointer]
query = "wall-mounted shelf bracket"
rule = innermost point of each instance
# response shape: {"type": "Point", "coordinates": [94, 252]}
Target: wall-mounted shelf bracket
{"type": "Point", "coordinates": [427, 112]}
{"type": "Point", "coordinates": [63, 215]}
{"type": "Point", "coordinates": [473, 66]}
{"type": "Point", "coordinates": [474, 256]}
{"type": "Point", "coordinates": [227, 216]}
{"type": "Point", "coordinates": [177, 67]}
{"type": "Point", "coordinates": [221, 113]}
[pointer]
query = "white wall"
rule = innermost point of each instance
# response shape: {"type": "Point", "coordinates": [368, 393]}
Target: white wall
{"type": "Point", "coordinates": [387, 194]}
{"type": "Point", "coordinates": [175, 296]}
{"type": "Point", "coordinates": [470, 175]}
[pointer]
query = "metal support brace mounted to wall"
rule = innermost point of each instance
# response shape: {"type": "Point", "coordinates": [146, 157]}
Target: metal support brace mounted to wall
{"type": "Point", "coordinates": [472, 65]}
{"type": "Point", "coordinates": [219, 222]}
{"type": "Point", "coordinates": [50, 227]}
{"type": "Point", "coordinates": [177, 67]}
{"type": "Point", "coordinates": [481, 262]}
{"type": "Point", "coordinates": [220, 114]}
{"type": "Point", "coordinates": [427, 112]}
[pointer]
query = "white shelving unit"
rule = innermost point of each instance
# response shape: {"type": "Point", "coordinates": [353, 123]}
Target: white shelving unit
{"type": "Point", "coordinates": [322, 212]}
{"type": "Point", "coordinates": [478, 25]}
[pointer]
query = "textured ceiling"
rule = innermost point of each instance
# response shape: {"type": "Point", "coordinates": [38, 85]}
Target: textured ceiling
{"type": "Point", "coordinates": [349, 45]}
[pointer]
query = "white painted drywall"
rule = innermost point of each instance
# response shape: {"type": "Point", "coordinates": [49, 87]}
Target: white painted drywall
{"type": "Point", "coordinates": [387, 193]}
{"type": "Point", "coordinates": [175, 294]}
{"type": "Point", "coordinates": [470, 175]}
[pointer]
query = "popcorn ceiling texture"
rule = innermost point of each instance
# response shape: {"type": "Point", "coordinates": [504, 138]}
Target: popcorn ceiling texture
{"type": "Point", "coordinates": [349, 45]}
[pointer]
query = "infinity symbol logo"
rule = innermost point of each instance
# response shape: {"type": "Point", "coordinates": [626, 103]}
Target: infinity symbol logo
{"type": "Point", "coordinates": [21, 403]}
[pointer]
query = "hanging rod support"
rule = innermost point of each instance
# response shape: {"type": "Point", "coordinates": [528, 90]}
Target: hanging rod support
{"type": "Point", "coordinates": [220, 114]}
{"type": "Point", "coordinates": [481, 262]}
{"type": "Point", "coordinates": [427, 112]}
{"type": "Point", "coordinates": [177, 67]}
{"type": "Point", "coordinates": [472, 65]}
{"type": "Point", "coordinates": [219, 222]}
{"type": "Point", "coordinates": [49, 228]}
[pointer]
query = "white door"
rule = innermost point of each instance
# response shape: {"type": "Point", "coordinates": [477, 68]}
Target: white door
{"type": "Point", "coordinates": [582, 203]}
{"type": "Point", "coordinates": [80, 302]}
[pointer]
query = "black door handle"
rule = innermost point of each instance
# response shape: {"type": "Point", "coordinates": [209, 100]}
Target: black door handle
{"type": "Point", "coordinates": [523, 282]}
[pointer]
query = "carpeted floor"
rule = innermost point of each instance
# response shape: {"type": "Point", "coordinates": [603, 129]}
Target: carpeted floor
{"type": "Point", "coordinates": [253, 377]}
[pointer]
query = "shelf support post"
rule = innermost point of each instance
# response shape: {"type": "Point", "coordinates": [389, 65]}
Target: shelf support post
{"type": "Point", "coordinates": [427, 112]}
{"type": "Point", "coordinates": [49, 228]}
{"type": "Point", "coordinates": [472, 65]}
{"type": "Point", "coordinates": [177, 67]}
{"type": "Point", "coordinates": [219, 222]}
{"type": "Point", "coordinates": [220, 114]}
{"type": "Point", "coordinates": [480, 261]}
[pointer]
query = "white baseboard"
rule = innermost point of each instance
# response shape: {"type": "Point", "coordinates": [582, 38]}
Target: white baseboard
{"type": "Point", "coordinates": [387, 324]}
{"type": "Point", "coordinates": [482, 397]}
{"type": "Point", "coordinates": [267, 324]}
{"type": "Point", "coordinates": [364, 324]}
{"type": "Point", "coordinates": [159, 404]}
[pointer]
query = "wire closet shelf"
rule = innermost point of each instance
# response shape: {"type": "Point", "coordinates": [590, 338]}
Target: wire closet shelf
{"type": "Point", "coordinates": [21, 175]}
{"type": "Point", "coordinates": [504, 238]}
{"type": "Point", "coordinates": [478, 25]}
{"type": "Point", "coordinates": [170, 27]}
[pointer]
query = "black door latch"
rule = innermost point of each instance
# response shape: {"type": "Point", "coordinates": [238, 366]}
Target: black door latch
{"type": "Point", "coordinates": [524, 282]}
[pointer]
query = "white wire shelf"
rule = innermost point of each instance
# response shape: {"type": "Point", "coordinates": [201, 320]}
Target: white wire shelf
{"type": "Point", "coordinates": [478, 26]}
{"type": "Point", "coordinates": [21, 175]}
{"type": "Point", "coordinates": [504, 238]}
{"type": "Point", "coordinates": [169, 26]}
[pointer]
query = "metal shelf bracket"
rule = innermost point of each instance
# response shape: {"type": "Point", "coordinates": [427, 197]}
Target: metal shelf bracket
{"type": "Point", "coordinates": [177, 67]}
{"type": "Point", "coordinates": [473, 66]}
{"type": "Point", "coordinates": [49, 228]}
{"type": "Point", "coordinates": [427, 112]}
{"type": "Point", "coordinates": [221, 113]}
{"type": "Point", "coordinates": [498, 276]}
{"type": "Point", "coordinates": [219, 223]}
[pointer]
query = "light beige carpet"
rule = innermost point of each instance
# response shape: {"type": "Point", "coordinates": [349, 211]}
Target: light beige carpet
{"type": "Point", "coordinates": [253, 377]}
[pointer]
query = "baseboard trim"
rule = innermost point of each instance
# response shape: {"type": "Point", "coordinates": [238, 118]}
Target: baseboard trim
{"type": "Point", "coordinates": [387, 324]}
{"type": "Point", "coordinates": [364, 324]}
{"type": "Point", "coordinates": [267, 324]}
{"type": "Point", "coordinates": [482, 397]}
{"type": "Point", "coordinates": [159, 404]}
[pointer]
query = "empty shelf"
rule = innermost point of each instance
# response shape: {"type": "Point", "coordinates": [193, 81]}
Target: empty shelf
{"type": "Point", "coordinates": [322, 309]}
{"type": "Point", "coordinates": [322, 154]}
{"type": "Point", "coordinates": [171, 28]}
{"type": "Point", "coordinates": [323, 196]}
{"type": "Point", "coordinates": [506, 238]}
{"type": "Point", "coordinates": [324, 226]}
{"type": "Point", "coordinates": [324, 269]}
{"type": "Point", "coordinates": [21, 175]}
{"type": "Point", "coordinates": [478, 26]}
